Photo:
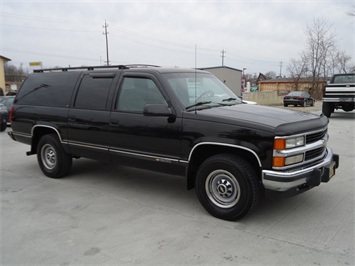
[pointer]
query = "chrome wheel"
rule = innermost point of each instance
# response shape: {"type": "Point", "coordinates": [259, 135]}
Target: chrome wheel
{"type": "Point", "coordinates": [222, 188]}
{"type": "Point", "coordinates": [49, 156]}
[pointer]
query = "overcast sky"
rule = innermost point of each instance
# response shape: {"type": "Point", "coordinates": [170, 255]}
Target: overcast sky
{"type": "Point", "coordinates": [256, 35]}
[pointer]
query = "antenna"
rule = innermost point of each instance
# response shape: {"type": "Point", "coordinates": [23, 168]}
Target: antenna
{"type": "Point", "coordinates": [195, 75]}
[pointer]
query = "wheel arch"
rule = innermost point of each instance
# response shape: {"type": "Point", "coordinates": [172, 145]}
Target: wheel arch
{"type": "Point", "coordinates": [202, 151]}
{"type": "Point", "coordinates": [38, 131]}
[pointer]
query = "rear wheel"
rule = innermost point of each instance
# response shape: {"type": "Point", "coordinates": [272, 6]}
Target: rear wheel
{"type": "Point", "coordinates": [52, 159]}
{"type": "Point", "coordinates": [326, 109]}
{"type": "Point", "coordinates": [227, 186]}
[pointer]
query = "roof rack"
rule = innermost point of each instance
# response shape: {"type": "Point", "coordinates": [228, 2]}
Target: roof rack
{"type": "Point", "coordinates": [63, 69]}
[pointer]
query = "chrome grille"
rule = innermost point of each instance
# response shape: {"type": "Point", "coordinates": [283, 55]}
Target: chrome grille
{"type": "Point", "coordinates": [312, 154]}
{"type": "Point", "coordinates": [313, 137]}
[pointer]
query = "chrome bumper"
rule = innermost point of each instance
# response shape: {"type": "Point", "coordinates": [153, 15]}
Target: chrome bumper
{"type": "Point", "coordinates": [311, 176]}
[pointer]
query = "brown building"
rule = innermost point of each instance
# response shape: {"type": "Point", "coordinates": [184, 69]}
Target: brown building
{"type": "Point", "coordinates": [285, 85]}
{"type": "Point", "coordinates": [3, 60]}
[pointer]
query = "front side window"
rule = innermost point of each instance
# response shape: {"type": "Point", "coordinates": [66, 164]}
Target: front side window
{"type": "Point", "coordinates": [136, 93]}
{"type": "Point", "coordinates": [93, 92]}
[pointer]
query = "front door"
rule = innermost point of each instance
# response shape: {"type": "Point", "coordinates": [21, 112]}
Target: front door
{"type": "Point", "coordinates": [148, 141]}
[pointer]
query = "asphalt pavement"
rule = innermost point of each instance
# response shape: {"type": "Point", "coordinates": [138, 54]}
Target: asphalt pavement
{"type": "Point", "coordinates": [105, 214]}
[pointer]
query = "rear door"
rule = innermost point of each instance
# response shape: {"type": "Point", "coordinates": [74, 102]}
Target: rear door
{"type": "Point", "coordinates": [88, 118]}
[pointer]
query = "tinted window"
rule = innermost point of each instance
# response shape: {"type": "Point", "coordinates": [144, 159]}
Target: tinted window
{"type": "Point", "coordinates": [135, 93]}
{"type": "Point", "coordinates": [93, 92]}
{"type": "Point", "coordinates": [48, 89]}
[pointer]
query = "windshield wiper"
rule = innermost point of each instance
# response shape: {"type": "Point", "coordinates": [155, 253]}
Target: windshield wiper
{"type": "Point", "coordinates": [229, 99]}
{"type": "Point", "coordinates": [198, 104]}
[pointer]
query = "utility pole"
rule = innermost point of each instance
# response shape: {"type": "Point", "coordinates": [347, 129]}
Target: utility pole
{"type": "Point", "coordinates": [281, 68]}
{"type": "Point", "coordinates": [223, 52]}
{"type": "Point", "coordinates": [106, 33]}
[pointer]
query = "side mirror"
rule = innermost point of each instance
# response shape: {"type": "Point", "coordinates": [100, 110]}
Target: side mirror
{"type": "Point", "coordinates": [157, 110]}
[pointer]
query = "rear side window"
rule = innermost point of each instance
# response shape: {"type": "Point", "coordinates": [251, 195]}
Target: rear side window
{"type": "Point", "coordinates": [48, 89]}
{"type": "Point", "coordinates": [93, 92]}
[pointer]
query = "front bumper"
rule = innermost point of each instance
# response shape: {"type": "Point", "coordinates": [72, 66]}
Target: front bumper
{"type": "Point", "coordinates": [310, 176]}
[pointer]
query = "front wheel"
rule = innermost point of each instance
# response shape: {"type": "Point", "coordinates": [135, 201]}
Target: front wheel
{"type": "Point", "coordinates": [52, 159]}
{"type": "Point", "coordinates": [227, 186]}
{"type": "Point", "coordinates": [3, 125]}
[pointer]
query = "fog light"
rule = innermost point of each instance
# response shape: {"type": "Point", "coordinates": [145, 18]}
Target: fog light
{"type": "Point", "coordinates": [294, 159]}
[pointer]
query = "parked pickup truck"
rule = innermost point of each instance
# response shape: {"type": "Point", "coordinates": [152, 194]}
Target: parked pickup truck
{"type": "Point", "coordinates": [177, 121]}
{"type": "Point", "coordinates": [339, 94]}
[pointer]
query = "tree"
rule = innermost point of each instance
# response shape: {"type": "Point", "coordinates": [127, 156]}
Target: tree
{"type": "Point", "coordinates": [320, 41]}
{"type": "Point", "coordinates": [297, 69]}
{"type": "Point", "coordinates": [13, 74]}
{"type": "Point", "coordinates": [270, 75]}
{"type": "Point", "coordinates": [342, 62]}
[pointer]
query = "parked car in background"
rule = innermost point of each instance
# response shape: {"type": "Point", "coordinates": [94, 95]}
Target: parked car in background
{"type": "Point", "coordinates": [339, 94]}
{"type": "Point", "coordinates": [4, 117]}
{"type": "Point", "coordinates": [300, 98]}
{"type": "Point", "coordinates": [7, 101]}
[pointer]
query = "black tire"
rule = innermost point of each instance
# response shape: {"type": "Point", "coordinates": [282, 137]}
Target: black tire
{"type": "Point", "coordinates": [3, 125]}
{"type": "Point", "coordinates": [52, 159]}
{"type": "Point", "coordinates": [227, 186]}
{"type": "Point", "coordinates": [285, 105]}
{"type": "Point", "coordinates": [326, 109]}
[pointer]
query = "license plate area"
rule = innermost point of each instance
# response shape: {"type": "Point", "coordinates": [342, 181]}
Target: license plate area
{"type": "Point", "coordinates": [329, 172]}
{"type": "Point", "coordinates": [346, 99]}
{"type": "Point", "coordinates": [332, 170]}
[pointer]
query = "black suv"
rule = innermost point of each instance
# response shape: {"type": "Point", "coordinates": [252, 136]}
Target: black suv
{"type": "Point", "coordinates": [176, 121]}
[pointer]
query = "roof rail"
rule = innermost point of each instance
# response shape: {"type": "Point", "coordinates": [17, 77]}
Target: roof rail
{"type": "Point", "coordinates": [63, 69]}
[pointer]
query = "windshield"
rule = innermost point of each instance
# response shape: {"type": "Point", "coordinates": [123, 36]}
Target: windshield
{"type": "Point", "coordinates": [200, 90]}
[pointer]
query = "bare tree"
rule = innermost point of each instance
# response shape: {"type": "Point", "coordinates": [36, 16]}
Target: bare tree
{"type": "Point", "coordinates": [297, 69]}
{"type": "Point", "coordinates": [270, 75]}
{"type": "Point", "coordinates": [320, 41]}
{"type": "Point", "coordinates": [342, 62]}
{"type": "Point", "coordinates": [13, 74]}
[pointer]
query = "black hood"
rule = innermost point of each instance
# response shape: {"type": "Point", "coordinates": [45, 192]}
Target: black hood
{"type": "Point", "coordinates": [280, 121]}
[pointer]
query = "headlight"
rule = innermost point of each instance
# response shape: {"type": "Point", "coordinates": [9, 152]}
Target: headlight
{"type": "Point", "coordinates": [289, 143]}
{"type": "Point", "coordinates": [294, 142]}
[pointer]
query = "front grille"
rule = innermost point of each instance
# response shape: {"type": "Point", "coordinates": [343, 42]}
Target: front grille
{"type": "Point", "coordinates": [310, 155]}
{"type": "Point", "coordinates": [315, 136]}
